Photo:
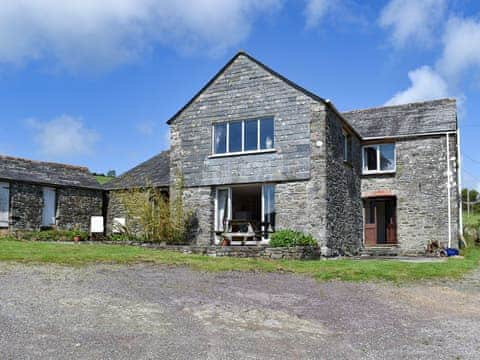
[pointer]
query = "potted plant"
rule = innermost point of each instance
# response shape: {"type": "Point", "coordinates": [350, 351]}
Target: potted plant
{"type": "Point", "coordinates": [77, 234]}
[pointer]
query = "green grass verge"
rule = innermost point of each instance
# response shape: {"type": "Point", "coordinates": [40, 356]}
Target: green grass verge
{"type": "Point", "coordinates": [347, 269]}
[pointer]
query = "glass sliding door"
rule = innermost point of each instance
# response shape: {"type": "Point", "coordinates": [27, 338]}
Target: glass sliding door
{"type": "Point", "coordinates": [222, 210]}
{"type": "Point", "coordinates": [268, 210]}
{"type": "Point", "coordinates": [243, 207]}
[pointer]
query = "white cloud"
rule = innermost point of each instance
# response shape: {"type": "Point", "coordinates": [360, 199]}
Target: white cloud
{"type": "Point", "coordinates": [426, 84]}
{"type": "Point", "coordinates": [412, 20]}
{"type": "Point", "coordinates": [103, 34]}
{"type": "Point", "coordinates": [145, 128]}
{"type": "Point", "coordinates": [63, 136]}
{"type": "Point", "coordinates": [461, 47]}
{"type": "Point", "coordinates": [315, 10]}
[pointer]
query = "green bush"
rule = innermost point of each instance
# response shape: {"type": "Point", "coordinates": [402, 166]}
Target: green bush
{"type": "Point", "coordinates": [290, 238]}
{"type": "Point", "coordinates": [51, 235]}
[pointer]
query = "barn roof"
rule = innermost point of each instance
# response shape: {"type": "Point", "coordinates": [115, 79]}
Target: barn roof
{"type": "Point", "coordinates": [47, 173]}
{"type": "Point", "coordinates": [153, 172]}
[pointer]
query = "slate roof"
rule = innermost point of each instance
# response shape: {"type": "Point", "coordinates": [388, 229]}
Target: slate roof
{"type": "Point", "coordinates": [153, 172]}
{"type": "Point", "coordinates": [262, 65]}
{"type": "Point", "coordinates": [409, 119]}
{"type": "Point", "coordinates": [47, 173]}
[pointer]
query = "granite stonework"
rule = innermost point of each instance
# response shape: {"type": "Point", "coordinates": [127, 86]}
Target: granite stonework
{"type": "Point", "coordinates": [26, 203]}
{"type": "Point", "coordinates": [343, 203]}
{"type": "Point", "coordinates": [243, 91]}
{"type": "Point", "coordinates": [261, 252]}
{"type": "Point", "coordinates": [420, 187]}
{"type": "Point", "coordinates": [75, 206]}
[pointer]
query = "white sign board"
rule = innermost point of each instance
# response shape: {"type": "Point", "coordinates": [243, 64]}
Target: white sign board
{"type": "Point", "coordinates": [96, 224]}
{"type": "Point", "coordinates": [118, 225]}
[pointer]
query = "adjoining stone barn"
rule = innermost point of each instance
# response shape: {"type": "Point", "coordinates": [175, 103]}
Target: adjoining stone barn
{"type": "Point", "coordinates": [38, 195]}
{"type": "Point", "coordinates": [153, 173]}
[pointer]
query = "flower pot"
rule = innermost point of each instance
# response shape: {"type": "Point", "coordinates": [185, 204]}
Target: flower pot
{"type": "Point", "coordinates": [77, 238]}
{"type": "Point", "coordinates": [225, 242]}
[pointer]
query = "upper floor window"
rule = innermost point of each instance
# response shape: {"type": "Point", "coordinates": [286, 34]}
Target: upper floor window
{"type": "Point", "coordinates": [347, 147]}
{"type": "Point", "coordinates": [379, 158]}
{"type": "Point", "coordinates": [243, 136]}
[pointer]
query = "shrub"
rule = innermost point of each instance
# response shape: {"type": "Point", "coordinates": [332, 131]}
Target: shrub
{"type": "Point", "coordinates": [51, 235]}
{"type": "Point", "coordinates": [290, 238]}
{"type": "Point", "coordinates": [152, 216]}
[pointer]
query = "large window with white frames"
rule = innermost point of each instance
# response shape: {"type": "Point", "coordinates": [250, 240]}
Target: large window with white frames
{"type": "Point", "coordinates": [244, 136]}
{"type": "Point", "coordinates": [379, 158]}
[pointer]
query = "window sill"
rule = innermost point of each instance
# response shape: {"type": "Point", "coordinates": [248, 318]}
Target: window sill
{"type": "Point", "coordinates": [240, 153]}
{"type": "Point", "coordinates": [385, 172]}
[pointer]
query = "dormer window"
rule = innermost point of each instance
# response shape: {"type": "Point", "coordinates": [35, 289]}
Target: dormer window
{"type": "Point", "coordinates": [243, 136]}
{"type": "Point", "coordinates": [379, 158]}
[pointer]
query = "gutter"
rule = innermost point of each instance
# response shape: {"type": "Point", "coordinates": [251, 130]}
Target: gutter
{"type": "Point", "coordinates": [459, 185]}
{"type": "Point", "coordinates": [410, 135]}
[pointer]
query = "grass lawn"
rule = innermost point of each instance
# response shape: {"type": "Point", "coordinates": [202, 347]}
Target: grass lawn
{"type": "Point", "coordinates": [348, 269]}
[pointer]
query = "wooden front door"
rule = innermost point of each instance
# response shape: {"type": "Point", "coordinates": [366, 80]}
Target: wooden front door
{"type": "Point", "coordinates": [370, 223]}
{"type": "Point", "coordinates": [380, 221]}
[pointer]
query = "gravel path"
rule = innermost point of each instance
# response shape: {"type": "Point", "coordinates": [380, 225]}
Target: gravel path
{"type": "Point", "coordinates": [155, 312]}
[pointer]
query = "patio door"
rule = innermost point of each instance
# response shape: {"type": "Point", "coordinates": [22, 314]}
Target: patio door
{"type": "Point", "coordinates": [4, 204]}
{"type": "Point", "coordinates": [252, 203]}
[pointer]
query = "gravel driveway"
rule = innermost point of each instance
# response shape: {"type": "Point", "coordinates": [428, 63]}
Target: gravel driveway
{"type": "Point", "coordinates": [156, 312]}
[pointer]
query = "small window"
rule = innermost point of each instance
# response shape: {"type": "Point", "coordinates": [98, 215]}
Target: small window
{"type": "Point", "coordinates": [220, 138]}
{"type": "Point", "coordinates": [379, 158]}
{"type": "Point", "coordinates": [387, 157]}
{"type": "Point", "coordinates": [347, 147]}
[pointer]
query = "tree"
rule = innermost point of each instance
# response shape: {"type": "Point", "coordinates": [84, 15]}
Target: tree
{"type": "Point", "coordinates": [470, 196]}
{"type": "Point", "coordinates": [112, 173]}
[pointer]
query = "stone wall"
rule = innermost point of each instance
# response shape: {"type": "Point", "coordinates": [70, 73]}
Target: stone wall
{"type": "Point", "coordinates": [244, 91]}
{"type": "Point", "coordinates": [263, 252]}
{"type": "Point", "coordinates": [344, 205]}
{"type": "Point", "coordinates": [420, 186]}
{"type": "Point", "coordinates": [74, 206]}
{"type": "Point", "coordinates": [200, 202]}
{"type": "Point", "coordinates": [26, 203]}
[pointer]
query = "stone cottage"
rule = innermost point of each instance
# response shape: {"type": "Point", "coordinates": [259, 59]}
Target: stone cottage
{"type": "Point", "coordinates": [38, 195]}
{"type": "Point", "coordinates": [259, 153]}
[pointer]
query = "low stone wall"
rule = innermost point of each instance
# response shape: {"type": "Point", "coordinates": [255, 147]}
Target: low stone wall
{"type": "Point", "coordinates": [262, 252]}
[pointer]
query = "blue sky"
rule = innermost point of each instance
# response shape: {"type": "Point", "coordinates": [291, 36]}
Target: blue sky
{"type": "Point", "coordinates": [92, 83]}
